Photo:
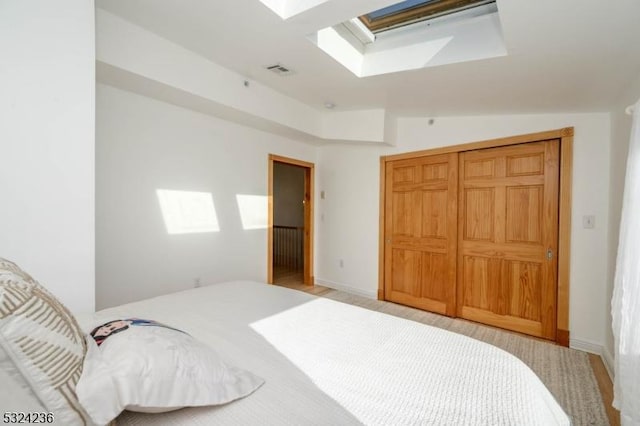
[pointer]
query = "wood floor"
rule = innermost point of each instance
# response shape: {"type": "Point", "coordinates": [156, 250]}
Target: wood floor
{"type": "Point", "coordinates": [284, 276]}
{"type": "Point", "coordinates": [293, 280]}
{"type": "Point", "coordinates": [606, 388]}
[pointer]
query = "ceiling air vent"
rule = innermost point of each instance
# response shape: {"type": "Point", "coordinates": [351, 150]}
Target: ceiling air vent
{"type": "Point", "coordinates": [279, 69]}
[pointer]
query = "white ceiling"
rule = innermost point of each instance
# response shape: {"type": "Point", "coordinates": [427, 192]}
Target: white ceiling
{"type": "Point", "coordinates": [564, 55]}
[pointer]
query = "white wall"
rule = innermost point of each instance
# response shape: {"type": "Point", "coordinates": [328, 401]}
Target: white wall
{"type": "Point", "coordinates": [144, 145]}
{"type": "Point", "coordinates": [358, 125]}
{"type": "Point", "coordinates": [47, 105]}
{"type": "Point", "coordinates": [348, 224]}
{"type": "Point", "coordinates": [620, 134]}
{"type": "Point", "coordinates": [138, 60]}
{"type": "Point", "coordinates": [132, 48]}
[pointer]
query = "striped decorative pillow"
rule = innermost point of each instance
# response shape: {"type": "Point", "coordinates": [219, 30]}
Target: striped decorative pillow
{"type": "Point", "coordinates": [43, 341]}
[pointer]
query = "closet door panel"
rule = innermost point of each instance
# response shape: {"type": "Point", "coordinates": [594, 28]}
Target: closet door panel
{"type": "Point", "coordinates": [508, 217]}
{"type": "Point", "coordinates": [421, 232]}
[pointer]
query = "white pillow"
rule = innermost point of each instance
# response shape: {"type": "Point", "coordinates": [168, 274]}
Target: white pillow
{"type": "Point", "coordinates": [41, 348]}
{"type": "Point", "coordinates": [16, 395]}
{"type": "Point", "coordinates": [153, 369]}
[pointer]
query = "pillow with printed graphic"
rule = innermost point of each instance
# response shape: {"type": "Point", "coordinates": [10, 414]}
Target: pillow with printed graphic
{"type": "Point", "coordinates": [142, 365]}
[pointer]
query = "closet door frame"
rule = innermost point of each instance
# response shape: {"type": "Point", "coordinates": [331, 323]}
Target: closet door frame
{"type": "Point", "coordinates": [565, 135]}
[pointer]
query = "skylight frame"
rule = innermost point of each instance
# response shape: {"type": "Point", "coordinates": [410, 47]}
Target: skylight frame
{"type": "Point", "coordinates": [471, 34]}
{"type": "Point", "coordinates": [418, 13]}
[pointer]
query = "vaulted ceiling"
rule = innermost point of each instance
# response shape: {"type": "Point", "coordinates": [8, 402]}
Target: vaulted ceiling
{"type": "Point", "coordinates": [569, 55]}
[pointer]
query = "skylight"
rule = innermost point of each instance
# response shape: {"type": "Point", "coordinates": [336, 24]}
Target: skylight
{"type": "Point", "coordinates": [471, 34]}
{"type": "Point", "coordinates": [412, 11]}
{"type": "Point", "coordinates": [408, 35]}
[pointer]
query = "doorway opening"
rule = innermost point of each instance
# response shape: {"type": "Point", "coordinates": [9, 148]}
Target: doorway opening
{"type": "Point", "coordinates": [290, 230]}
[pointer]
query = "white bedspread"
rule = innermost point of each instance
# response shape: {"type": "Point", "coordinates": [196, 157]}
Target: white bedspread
{"type": "Point", "coordinates": [329, 363]}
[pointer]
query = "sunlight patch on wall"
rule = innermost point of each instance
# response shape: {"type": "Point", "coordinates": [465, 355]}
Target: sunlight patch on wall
{"type": "Point", "coordinates": [253, 210]}
{"type": "Point", "coordinates": [186, 212]}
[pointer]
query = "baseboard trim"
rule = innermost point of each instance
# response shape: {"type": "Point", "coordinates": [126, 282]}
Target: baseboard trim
{"type": "Point", "coordinates": [348, 289]}
{"type": "Point", "coordinates": [595, 348]}
{"type": "Point", "coordinates": [586, 346]}
{"type": "Point", "coordinates": [607, 359]}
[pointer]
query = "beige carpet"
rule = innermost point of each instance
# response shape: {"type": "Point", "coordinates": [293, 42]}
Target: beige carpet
{"type": "Point", "coordinates": [566, 372]}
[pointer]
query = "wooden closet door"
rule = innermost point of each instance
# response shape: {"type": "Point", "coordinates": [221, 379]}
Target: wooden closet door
{"type": "Point", "coordinates": [508, 237]}
{"type": "Point", "coordinates": [421, 232]}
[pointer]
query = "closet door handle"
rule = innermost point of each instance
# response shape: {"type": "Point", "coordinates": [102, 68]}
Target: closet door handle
{"type": "Point", "coordinates": [549, 254]}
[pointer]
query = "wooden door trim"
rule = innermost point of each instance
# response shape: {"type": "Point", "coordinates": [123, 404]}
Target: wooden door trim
{"type": "Point", "coordinates": [309, 182]}
{"type": "Point", "coordinates": [381, 228]}
{"type": "Point", "coordinates": [490, 143]}
{"type": "Point", "coordinates": [292, 161]}
{"type": "Point", "coordinates": [565, 135]}
{"type": "Point", "coordinates": [564, 235]}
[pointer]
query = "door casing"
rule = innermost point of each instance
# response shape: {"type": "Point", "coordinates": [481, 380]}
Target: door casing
{"type": "Point", "coordinates": [309, 174]}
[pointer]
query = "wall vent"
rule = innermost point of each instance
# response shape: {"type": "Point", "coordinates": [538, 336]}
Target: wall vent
{"type": "Point", "coordinates": [279, 69]}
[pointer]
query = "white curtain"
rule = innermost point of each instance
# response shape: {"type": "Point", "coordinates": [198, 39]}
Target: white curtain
{"type": "Point", "coordinates": [625, 304]}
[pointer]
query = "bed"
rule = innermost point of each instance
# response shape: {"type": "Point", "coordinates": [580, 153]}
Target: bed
{"type": "Point", "coordinates": [328, 363]}
{"type": "Point", "coordinates": [280, 356]}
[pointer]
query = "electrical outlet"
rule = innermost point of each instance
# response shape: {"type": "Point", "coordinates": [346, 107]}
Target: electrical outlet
{"type": "Point", "coordinates": [196, 282]}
